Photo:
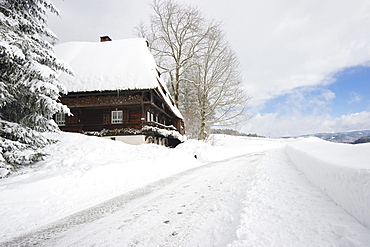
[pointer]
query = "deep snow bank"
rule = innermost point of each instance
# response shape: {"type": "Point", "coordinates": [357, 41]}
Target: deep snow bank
{"type": "Point", "coordinates": [79, 172]}
{"type": "Point", "coordinates": [82, 171]}
{"type": "Point", "coordinates": [341, 170]}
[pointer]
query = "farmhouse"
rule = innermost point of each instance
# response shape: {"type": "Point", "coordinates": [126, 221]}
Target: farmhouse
{"type": "Point", "coordinates": [117, 92]}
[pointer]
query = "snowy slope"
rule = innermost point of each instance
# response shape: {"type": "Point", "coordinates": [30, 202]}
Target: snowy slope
{"type": "Point", "coordinates": [83, 171]}
{"type": "Point", "coordinates": [341, 170]}
{"type": "Point", "coordinates": [257, 199]}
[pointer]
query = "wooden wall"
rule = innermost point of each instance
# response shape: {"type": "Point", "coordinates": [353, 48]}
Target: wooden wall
{"type": "Point", "coordinates": [92, 111]}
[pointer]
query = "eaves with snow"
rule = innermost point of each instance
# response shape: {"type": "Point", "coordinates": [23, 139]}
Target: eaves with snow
{"type": "Point", "coordinates": [111, 66]}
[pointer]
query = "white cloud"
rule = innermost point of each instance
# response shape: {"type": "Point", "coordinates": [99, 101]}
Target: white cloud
{"type": "Point", "coordinates": [293, 48]}
{"type": "Point", "coordinates": [305, 111]}
{"type": "Point", "coordinates": [87, 20]}
{"type": "Point", "coordinates": [305, 100]}
{"type": "Point", "coordinates": [277, 126]}
{"type": "Point", "coordinates": [354, 97]}
{"type": "Point", "coordinates": [282, 44]}
{"type": "Point", "coordinates": [285, 44]}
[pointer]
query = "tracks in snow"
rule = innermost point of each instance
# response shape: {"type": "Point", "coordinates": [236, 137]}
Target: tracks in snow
{"type": "Point", "coordinates": [200, 205]}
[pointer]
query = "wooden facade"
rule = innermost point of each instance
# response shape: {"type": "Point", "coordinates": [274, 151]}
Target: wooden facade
{"type": "Point", "coordinates": [94, 111]}
{"type": "Point", "coordinates": [104, 95]}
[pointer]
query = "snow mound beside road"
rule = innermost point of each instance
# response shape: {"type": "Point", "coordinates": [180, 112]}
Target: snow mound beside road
{"type": "Point", "coordinates": [340, 170]}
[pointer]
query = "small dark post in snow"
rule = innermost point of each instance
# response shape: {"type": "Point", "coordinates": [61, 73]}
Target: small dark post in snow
{"type": "Point", "coordinates": [105, 38]}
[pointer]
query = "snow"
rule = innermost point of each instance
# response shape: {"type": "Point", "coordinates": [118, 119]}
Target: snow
{"type": "Point", "coordinates": [165, 132]}
{"type": "Point", "coordinates": [239, 191]}
{"type": "Point", "coordinates": [3, 172]}
{"type": "Point", "coordinates": [110, 66]}
{"type": "Point", "coordinates": [281, 207]}
{"type": "Point", "coordinates": [101, 66]}
{"type": "Point", "coordinates": [81, 171]}
{"type": "Point", "coordinates": [341, 170]}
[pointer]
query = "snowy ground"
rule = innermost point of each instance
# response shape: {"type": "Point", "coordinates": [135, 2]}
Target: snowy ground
{"type": "Point", "coordinates": [239, 192]}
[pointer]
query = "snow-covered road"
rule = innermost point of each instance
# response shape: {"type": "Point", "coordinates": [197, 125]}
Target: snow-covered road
{"type": "Point", "coordinates": [175, 211]}
{"type": "Point", "coordinates": [258, 199]}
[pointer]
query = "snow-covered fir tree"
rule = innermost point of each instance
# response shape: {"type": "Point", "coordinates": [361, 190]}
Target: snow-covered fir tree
{"type": "Point", "coordinates": [29, 88]}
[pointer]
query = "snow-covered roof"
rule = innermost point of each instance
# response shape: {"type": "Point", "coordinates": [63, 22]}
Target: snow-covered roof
{"type": "Point", "coordinates": [113, 65]}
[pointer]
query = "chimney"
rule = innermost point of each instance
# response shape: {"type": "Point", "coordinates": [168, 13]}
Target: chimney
{"type": "Point", "coordinates": [105, 38]}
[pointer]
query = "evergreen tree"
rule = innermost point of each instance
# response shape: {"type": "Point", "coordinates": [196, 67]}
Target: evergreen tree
{"type": "Point", "coordinates": [29, 88]}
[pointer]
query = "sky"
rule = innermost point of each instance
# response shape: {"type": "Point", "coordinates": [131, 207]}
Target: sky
{"type": "Point", "coordinates": [306, 64]}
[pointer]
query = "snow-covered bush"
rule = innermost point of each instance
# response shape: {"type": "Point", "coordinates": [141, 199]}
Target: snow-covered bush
{"type": "Point", "coordinates": [144, 131]}
{"type": "Point", "coordinates": [4, 169]}
{"type": "Point", "coordinates": [164, 132]}
{"type": "Point", "coordinates": [107, 132]}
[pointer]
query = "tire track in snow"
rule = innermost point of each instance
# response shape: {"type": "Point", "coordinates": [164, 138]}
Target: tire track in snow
{"type": "Point", "coordinates": [172, 208]}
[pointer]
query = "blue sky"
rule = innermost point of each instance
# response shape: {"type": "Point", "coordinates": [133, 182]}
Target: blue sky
{"type": "Point", "coordinates": [304, 63]}
{"type": "Point", "coordinates": [351, 94]}
{"type": "Point", "coordinates": [352, 90]}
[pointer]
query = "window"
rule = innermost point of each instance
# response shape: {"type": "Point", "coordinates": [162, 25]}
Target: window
{"type": "Point", "coordinates": [60, 119]}
{"type": "Point", "coordinates": [117, 117]}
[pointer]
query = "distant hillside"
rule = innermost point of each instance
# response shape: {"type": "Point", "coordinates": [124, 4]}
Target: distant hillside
{"type": "Point", "coordinates": [233, 133]}
{"type": "Point", "coordinates": [343, 137]}
{"type": "Point", "coordinates": [364, 139]}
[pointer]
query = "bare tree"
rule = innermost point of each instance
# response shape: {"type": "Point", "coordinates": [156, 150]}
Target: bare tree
{"type": "Point", "coordinates": [218, 84]}
{"type": "Point", "coordinates": [201, 68]}
{"type": "Point", "coordinates": [175, 34]}
{"type": "Point", "coordinates": [189, 108]}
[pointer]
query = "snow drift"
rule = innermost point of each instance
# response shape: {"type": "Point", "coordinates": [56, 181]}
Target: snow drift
{"type": "Point", "coordinates": [341, 170]}
{"type": "Point", "coordinates": [278, 204]}
{"type": "Point", "coordinates": [83, 171]}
